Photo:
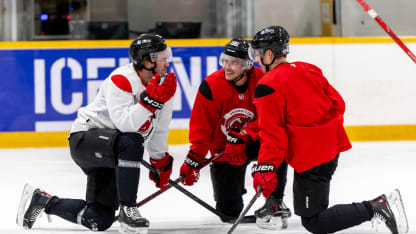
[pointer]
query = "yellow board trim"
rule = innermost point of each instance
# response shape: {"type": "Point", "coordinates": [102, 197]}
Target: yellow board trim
{"type": "Point", "coordinates": [180, 136]}
{"type": "Point", "coordinates": [188, 42]}
{"type": "Point", "coordinates": [382, 133]}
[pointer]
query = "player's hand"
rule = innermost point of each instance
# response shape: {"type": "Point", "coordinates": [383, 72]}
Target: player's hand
{"type": "Point", "coordinates": [235, 149]}
{"type": "Point", "coordinates": [157, 94]}
{"type": "Point", "coordinates": [264, 175]}
{"type": "Point", "coordinates": [164, 167]}
{"type": "Point", "coordinates": [190, 168]}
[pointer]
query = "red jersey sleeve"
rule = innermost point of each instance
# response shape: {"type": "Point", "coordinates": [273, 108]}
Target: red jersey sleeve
{"type": "Point", "coordinates": [338, 104]}
{"type": "Point", "coordinates": [252, 130]}
{"type": "Point", "coordinates": [203, 121]}
{"type": "Point", "coordinates": [270, 107]}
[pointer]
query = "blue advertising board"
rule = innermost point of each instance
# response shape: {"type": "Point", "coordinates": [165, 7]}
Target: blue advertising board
{"type": "Point", "coordinates": [41, 89]}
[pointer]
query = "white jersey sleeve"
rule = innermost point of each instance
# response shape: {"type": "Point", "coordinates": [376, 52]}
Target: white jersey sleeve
{"type": "Point", "coordinates": [157, 145]}
{"type": "Point", "coordinates": [117, 106]}
{"type": "Point", "coordinates": [124, 110]}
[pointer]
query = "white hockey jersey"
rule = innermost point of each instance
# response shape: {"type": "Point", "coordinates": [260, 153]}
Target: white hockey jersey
{"type": "Point", "coordinates": [117, 107]}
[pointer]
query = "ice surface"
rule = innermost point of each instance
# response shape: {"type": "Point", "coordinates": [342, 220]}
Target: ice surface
{"type": "Point", "coordinates": [369, 169]}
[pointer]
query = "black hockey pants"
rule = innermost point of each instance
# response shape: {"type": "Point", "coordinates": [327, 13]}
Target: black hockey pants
{"type": "Point", "coordinates": [228, 182]}
{"type": "Point", "coordinates": [112, 169]}
{"type": "Point", "coordinates": [311, 196]}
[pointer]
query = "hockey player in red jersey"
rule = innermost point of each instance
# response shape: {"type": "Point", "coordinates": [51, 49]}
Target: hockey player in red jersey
{"type": "Point", "coordinates": [223, 118]}
{"type": "Point", "coordinates": [132, 110]}
{"type": "Point", "coordinates": [300, 117]}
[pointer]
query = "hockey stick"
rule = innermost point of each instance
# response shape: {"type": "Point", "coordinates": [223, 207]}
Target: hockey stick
{"type": "Point", "coordinates": [245, 219]}
{"type": "Point", "coordinates": [373, 14]}
{"type": "Point", "coordinates": [176, 181]}
{"type": "Point", "coordinates": [189, 194]}
{"type": "Point", "coordinates": [244, 212]}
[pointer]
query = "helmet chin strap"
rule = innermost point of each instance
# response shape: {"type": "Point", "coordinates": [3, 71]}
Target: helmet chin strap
{"type": "Point", "coordinates": [237, 79]}
{"type": "Point", "coordinates": [151, 69]}
{"type": "Point", "coordinates": [268, 65]}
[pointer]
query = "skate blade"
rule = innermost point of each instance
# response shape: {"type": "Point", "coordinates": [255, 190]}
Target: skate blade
{"type": "Point", "coordinates": [397, 206]}
{"type": "Point", "coordinates": [126, 229]}
{"type": "Point", "coordinates": [272, 222]}
{"type": "Point", "coordinates": [26, 196]}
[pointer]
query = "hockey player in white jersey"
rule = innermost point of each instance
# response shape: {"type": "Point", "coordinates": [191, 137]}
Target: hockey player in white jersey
{"type": "Point", "coordinates": [132, 110]}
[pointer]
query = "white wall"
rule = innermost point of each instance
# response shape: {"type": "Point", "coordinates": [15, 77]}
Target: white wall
{"type": "Point", "coordinates": [377, 81]}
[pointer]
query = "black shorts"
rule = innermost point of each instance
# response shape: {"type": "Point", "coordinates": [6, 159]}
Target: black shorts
{"type": "Point", "coordinates": [93, 151]}
{"type": "Point", "coordinates": [311, 189]}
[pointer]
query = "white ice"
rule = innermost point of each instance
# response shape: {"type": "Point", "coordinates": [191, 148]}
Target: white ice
{"type": "Point", "coordinates": [369, 169]}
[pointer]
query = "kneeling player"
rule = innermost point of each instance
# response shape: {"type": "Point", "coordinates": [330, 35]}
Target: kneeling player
{"type": "Point", "coordinates": [223, 118]}
{"type": "Point", "coordinates": [132, 109]}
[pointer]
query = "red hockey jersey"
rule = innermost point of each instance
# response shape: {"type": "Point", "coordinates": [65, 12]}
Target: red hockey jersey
{"type": "Point", "coordinates": [220, 106]}
{"type": "Point", "coordinates": [300, 117]}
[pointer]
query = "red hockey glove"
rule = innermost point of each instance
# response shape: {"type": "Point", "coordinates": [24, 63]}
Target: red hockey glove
{"type": "Point", "coordinates": [235, 149]}
{"type": "Point", "coordinates": [164, 167]}
{"type": "Point", "coordinates": [264, 176]}
{"type": "Point", "coordinates": [157, 94]}
{"type": "Point", "coordinates": [190, 168]}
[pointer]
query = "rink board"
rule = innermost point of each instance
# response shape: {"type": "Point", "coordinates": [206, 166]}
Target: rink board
{"type": "Point", "coordinates": [44, 83]}
{"type": "Point", "coordinates": [180, 136]}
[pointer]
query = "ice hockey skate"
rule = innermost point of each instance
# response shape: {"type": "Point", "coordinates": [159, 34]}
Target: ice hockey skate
{"type": "Point", "coordinates": [37, 200]}
{"type": "Point", "coordinates": [131, 222]}
{"type": "Point", "coordinates": [397, 206]}
{"type": "Point", "coordinates": [383, 206]}
{"type": "Point", "coordinates": [273, 215]}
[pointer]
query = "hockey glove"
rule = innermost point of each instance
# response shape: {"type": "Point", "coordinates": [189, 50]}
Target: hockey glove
{"type": "Point", "coordinates": [190, 168]}
{"type": "Point", "coordinates": [157, 94]}
{"type": "Point", "coordinates": [164, 167]}
{"type": "Point", "coordinates": [235, 149]}
{"type": "Point", "coordinates": [264, 176]}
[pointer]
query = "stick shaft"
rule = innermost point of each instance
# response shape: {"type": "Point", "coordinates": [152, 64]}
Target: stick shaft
{"type": "Point", "coordinates": [176, 181]}
{"type": "Point", "coordinates": [386, 28]}
{"type": "Point", "coordinates": [244, 212]}
{"type": "Point", "coordinates": [189, 194]}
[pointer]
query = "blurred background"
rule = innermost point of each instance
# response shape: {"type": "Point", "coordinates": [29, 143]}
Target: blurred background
{"type": "Point", "coordinates": [27, 20]}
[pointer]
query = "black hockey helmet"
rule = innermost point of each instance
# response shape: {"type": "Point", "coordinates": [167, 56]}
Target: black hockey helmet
{"type": "Point", "coordinates": [238, 48]}
{"type": "Point", "coordinates": [275, 38]}
{"type": "Point", "coordinates": [146, 45]}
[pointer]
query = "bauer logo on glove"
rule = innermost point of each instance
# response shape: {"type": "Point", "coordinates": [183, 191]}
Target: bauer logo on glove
{"type": "Point", "coordinates": [262, 168]}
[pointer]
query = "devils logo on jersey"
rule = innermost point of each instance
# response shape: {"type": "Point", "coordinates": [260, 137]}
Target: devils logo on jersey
{"type": "Point", "coordinates": [146, 128]}
{"type": "Point", "coordinates": [236, 118]}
